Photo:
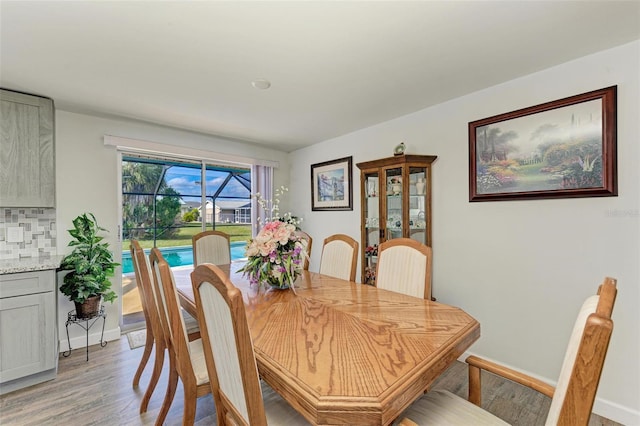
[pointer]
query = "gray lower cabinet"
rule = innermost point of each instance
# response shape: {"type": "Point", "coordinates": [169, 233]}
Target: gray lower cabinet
{"type": "Point", "coordinates": [27, 162]}
{"type": "Point", "coordinates": [28, 330]}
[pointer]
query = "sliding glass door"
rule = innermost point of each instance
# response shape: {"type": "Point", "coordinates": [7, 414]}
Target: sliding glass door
{"type": "Point", "coordinates": [166, 201]}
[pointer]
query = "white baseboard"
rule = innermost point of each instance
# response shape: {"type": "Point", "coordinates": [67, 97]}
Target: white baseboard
{"type": "Point", "coordinates": [80, 342]}
{"type": "Point", "coordinates": [602, 407]}
{"type": "Point", "coordinates": [616, 412]}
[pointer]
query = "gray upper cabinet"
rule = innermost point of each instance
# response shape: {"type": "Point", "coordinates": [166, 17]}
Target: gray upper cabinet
{"type": "Point", "coordinates": [27, 163]}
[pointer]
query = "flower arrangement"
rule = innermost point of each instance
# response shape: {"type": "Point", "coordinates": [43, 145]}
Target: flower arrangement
{"type": "Point", "coordinates": [276, 255]}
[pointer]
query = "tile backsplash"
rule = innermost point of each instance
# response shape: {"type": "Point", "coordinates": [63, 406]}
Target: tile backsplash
{"type": "Point", "coordinates": [38, 232]}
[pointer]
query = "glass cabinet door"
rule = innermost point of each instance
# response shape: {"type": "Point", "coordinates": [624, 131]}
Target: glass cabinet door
{"type": "Point", "coordinates": [418, 207]}
{"type": "Point", "coordinates": [371, 209]}
{"type": "Point", "coordinates": [393, 203]}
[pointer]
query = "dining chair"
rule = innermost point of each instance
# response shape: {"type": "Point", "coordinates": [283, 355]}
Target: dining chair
{"type": "Point", "coordinates": [239, 397]}
{"type": "Point", "coordinates": [186, 357]}
{"type": "Point", "coordinates": [571, 400]}
{"type": "Point", "coordinates": [211, 247]}
{"type": "Point", "coordinates": [339, 257]}
{"type": "Point", "coordinates": [155, 332]}
{"type": "Point", "coordinates": [306, 237]}
{"type": "Point", "coordinates": [142, 284]}
{"type": "Point", "coordinates": [404, 265]}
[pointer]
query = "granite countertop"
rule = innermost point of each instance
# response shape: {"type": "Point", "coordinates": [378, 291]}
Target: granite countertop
{"type": "Point", "coordinates": [29, 264]}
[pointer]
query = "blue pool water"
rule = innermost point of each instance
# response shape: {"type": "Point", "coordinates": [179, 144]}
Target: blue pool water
{"type": "Point", "coordinates": [181, 256]}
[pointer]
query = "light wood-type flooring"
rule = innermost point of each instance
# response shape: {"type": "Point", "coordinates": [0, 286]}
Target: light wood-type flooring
{"type": "Point", "coordinates": [99, 392]}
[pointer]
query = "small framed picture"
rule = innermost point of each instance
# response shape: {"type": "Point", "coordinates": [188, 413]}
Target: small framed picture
{"type": "Point", "coordinates": [331, 185]}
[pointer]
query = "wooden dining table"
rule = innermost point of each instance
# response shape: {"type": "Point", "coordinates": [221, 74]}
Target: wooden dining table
{"type": "Point", "coordinates": [346, 353]}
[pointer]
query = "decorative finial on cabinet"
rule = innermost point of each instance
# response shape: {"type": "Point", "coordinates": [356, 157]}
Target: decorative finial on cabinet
{"type": "Point", "coordinates": [399, 149]}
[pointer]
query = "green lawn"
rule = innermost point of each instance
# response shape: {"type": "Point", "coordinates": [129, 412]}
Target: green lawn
{"type": "Point", "coordinates": [188, 230]}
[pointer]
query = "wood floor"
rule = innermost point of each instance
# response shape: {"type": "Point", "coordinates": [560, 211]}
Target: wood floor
{"type": "Point", "coordinates": [99, 392]}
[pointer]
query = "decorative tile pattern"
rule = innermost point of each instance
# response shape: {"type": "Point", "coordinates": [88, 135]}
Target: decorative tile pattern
{"type": "Point", "coordinates": [39, 229]}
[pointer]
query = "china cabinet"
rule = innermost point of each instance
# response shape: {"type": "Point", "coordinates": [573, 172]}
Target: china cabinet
{"type": "Point", "coordinates": [396, 202]}
{"type": "Point", "coordinates": [27, 165]}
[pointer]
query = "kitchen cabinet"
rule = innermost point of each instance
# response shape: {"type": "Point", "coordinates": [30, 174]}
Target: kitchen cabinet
{"type": "Point", "coordinates": [27, 164]}
{"type": "Point", "coordinates": [28, 330]}
{"type": "Point", "coordinates": [395, 202]}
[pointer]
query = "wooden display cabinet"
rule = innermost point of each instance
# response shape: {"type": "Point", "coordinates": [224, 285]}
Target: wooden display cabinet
{"type": "Point", "coordinates": [396, 202]}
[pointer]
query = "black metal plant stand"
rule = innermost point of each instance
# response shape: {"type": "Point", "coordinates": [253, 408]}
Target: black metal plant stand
{"type": "Point", "coordinates": [88, 323]}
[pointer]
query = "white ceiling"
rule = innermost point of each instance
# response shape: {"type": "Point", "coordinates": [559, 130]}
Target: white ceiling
{"type": "Point", "coordinates": [335, 67]}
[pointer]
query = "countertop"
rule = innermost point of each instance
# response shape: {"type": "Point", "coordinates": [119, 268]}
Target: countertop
{"type": "Point", "coordinates": [29, 264]}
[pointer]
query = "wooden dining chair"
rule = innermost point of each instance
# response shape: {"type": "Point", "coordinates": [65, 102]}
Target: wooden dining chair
{"type": "Point", "coordinates": [148, 295]}
{"type": "Point", "coordinates": [306, 237]}
{"type": "Point", "coordinates": [404, 265]}
{"type": "Point", "coordinates": [339, 257]}
{"type": "Point", "coordinates": [142, 278]}
{"type": "Point", "coordinates": [186, 357]}
{"type": "Point", "coordinates": [239, 397]}
{"type": "Point", "coordinates": [211, 247]}
{"type": "Point", "coordinates": [571, 400]}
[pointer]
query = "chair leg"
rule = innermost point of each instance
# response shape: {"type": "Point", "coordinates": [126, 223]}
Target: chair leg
{"type": "Point", "coordinates": [172, 385]}
{"type": "Point", "coordinates": [475, 387]}
{"type": "Point", "coordinates": [190, 402]}
{"type": "Point", "coordinates": [148, 346]}
{"type": "Point", "coordinates": [155, 375]}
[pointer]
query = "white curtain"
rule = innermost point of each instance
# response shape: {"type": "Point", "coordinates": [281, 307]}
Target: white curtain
{"type": "Point", "coordinates": [261, 182]}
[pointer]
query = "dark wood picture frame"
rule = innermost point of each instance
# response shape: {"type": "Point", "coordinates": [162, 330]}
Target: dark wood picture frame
{"type": "Point", "coordinates": [560, 149]}
{"type": "Point", "coordinates": [331, 185]}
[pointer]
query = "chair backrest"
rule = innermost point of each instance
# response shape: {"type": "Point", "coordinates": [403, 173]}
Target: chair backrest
{"type": "Point", "coordinates": [306, 237]}
{"type": "Point", "coordinates": [144, 281]}
{"type": "Point", "coordinates": [170, 314]}
{"type": "Point", "coordinates": [339, 257]}
{"type": "Point", "coordinates": [404, 266]}
{"type": "Point", "coordinates": [227, 344]}
{"type": "Point", "coordinates": [211, 247]}
{"type": "Point", "coordinates": [582, 366]}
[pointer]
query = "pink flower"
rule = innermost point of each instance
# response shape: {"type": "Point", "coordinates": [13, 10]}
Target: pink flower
{"type": "Point", "coordinates": [271, 226]}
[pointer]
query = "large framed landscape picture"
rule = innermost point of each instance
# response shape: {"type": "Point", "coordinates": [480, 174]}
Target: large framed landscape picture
{"type": "Point", "coordinates": [331, 186]}
{"type": "Point", "coordinates": [559, 149]}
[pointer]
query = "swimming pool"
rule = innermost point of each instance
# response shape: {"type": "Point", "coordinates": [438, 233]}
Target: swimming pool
{"type": "Point", "coordinates": [181, 256]}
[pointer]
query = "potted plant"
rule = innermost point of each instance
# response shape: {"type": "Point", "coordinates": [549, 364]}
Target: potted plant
{"type": "Point", "coordinates": [90, 265]}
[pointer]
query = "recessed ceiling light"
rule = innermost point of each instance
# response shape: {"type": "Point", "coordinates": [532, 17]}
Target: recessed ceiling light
{"type": "Point", "coordinates": [261, 83]}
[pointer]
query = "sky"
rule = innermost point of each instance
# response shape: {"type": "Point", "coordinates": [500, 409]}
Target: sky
{"type": "Point", "coordinates": [187, 181]}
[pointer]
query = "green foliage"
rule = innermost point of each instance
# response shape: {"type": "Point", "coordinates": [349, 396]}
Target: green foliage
{"type": "Point", "coordinates": [576, 177]}
{"type": "Point", "coordinates": [191, 216]}
{"type": "Point", "coordinates": [168, 212]}
{"type": "Point", "coordinates": [557, 154]}
{"type": "Point", "coordinates": [143, 186]}
{"type": "Point", "coordinates": [90, 264]}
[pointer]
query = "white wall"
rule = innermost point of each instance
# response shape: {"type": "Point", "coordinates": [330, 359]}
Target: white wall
{"type": "Point", "coordinates": [522, 268]}
{"type": "Point", "coordinates": [86, 181]}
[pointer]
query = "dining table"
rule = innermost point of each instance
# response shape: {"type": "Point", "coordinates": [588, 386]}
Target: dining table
{"type": "Point", "coordinates": [344, 353]}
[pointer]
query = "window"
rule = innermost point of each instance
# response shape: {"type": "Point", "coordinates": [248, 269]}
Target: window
{"type": "Point", "coordinates": [163, 202]}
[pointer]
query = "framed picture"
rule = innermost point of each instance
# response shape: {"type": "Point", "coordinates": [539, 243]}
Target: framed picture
{"type": "Point", "coordinates": [559, 149]}
{"type": "Point", "coordinates": [331, 186]}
